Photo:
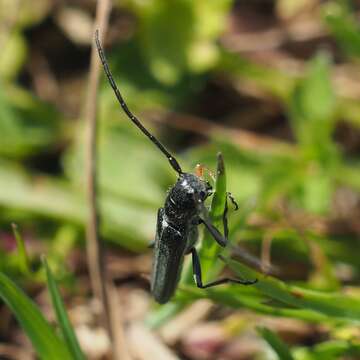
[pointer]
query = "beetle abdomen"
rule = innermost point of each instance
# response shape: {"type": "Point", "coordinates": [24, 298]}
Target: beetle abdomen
{"type": "Point", "coordinates": [165, 278]}
{"type": "Point", "coordinates": [168, 258]}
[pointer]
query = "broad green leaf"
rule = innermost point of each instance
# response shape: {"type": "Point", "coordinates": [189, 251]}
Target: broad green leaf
{"type": "Point", "coordinates": [189, 44]}
{"type": "Point", "coordinates": [60, 201]}
{"type": "Point", "coordinates": [62, 316]}
{"type": "Point", "coordinates": [166, 46]}
{"type": "Point", "coordinates": [27, 125]}
{"type": "Point", "coordinates": [138, 173]}
{"type": "Point", "coordinates": [210, 21]}
{"type": "Point", "coordinates": [46, 343]}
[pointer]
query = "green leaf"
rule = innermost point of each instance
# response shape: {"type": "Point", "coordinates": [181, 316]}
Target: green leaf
{"type": "Point", "coordinates": [333, 304]}
{"type": "Point", "coordinates": [61, 314]}
{"type": "Point", "coordinates": [209, 248]}
{"type": "Point", "coordinates": [163, 313]}
{"type": "Point", "coordinates": [332, 349]}
{"type": "Point", "coordinates": [27, 125]}
{"type": "Point", "coordinates": [23, 259]}
{"type": "Point", "coordinates": [266, 78]}
{"type": "Point", "coordinates": [312, 105]}
{"type": "Point", "coordinates": [247, 298]}
{"type": "Point", "coordinates": [210, 21]}
{"type": "Point", "coordinates": [166, 46]}
{"type": "Point", "coordinates": [46, 343]}
{"type": "Point", "coordinates": [13, 55]}
{"type": "Point", "coordinates": [146, 169]}
{"type": "Point", "coordinates": [276, 343]}
{"type": "Point", "coordinates": [189, 44]}
{"type": "Point", "coordinates": [343, 24]}
{"type": "Point", "coordinates": [58, 200]}
{"type": "Point", "coordinates": [318, 189]}
{"type": "Point", "coordinates": [219, 197]}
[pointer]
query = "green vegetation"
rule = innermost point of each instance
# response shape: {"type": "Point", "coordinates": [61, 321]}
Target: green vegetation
{"type": "Point", "coordinates": [288, 131]}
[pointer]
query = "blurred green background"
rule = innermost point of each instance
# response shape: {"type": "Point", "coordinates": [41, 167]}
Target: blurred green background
{"type": "Point", "coordinates": [273, 85]}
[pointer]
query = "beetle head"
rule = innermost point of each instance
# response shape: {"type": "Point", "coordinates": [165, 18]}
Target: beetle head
{"type": "Point", "coordinates": [183, 198]}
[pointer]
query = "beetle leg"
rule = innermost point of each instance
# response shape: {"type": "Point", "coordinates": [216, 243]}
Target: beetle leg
{"type": "Point", "coordinates": [204, 218]}
{"type": "Point", "coordinates": [198, 276]}
{"type": "Point", "coordinates": [229, 195]}
{"type": "Point", "coordinates": [215, 233]}
{"type": "Point", "coordinates": [224, 216]}
{"type": "Point", "coordinates": [225, 221]}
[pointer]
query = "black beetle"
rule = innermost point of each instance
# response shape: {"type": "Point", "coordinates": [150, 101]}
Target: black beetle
{"type": "Point", "coordinates": [178, 220]}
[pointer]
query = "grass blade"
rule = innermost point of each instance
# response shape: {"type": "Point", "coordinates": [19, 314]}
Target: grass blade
{"type": "Point", "coordinates": [46, 343]}
{"type": "Point", "coordinates": [335, 305]}
{"type": "Point", "coordinates": [276, 343]}
{"type": "Point", "coordinates": [23, 259]}
{"type": "Point", "coordinates": [241, 299]}
{"type": "Point", "coordinates": [61, 314]}
{"type": "Point", "coordinates": [209, 249]}
{"type": "Point", "coordinates": [332, 349]}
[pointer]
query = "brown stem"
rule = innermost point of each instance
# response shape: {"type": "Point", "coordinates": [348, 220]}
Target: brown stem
{"type": "Point", "coordinates": [93, 245]}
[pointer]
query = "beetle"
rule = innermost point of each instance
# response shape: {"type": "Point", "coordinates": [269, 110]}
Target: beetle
{"type": "Point", "coordinates": [178, 219]}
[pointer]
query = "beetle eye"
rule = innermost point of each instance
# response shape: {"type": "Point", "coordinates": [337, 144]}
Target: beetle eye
{"type": "Point", "coordinates": [203, 194]}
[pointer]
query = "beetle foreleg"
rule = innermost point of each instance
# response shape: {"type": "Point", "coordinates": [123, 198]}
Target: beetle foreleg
{"type": "Point", "coordinates": [215, 233]}
{"type": "Point", "coordinates": [204, 218]}
{"type": "Point", "coordinates": [224, 216]}
{"type": "Point", "coordinates": [232, 199]}
{"type": "Point", "coordinates": [225, 221]}
{"type": "Point", "coordinates": [198, 276]}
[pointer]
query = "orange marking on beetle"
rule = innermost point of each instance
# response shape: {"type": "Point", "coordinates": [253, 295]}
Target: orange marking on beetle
{"type": "Point", "coordinates": [199, 170]}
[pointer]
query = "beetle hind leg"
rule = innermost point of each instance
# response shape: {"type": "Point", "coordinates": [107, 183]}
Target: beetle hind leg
{"type": "Point", "coordinates": [198, 276]}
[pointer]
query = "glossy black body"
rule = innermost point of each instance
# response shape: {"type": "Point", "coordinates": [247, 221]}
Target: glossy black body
{"type": "Point", "coordinates": [176, 233]}
{"type": "Point", "coordinates": [183, 211]}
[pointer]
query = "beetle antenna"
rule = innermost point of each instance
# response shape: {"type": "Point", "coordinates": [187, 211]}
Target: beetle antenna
{"type": "Point", "coordinates": [173, 162]}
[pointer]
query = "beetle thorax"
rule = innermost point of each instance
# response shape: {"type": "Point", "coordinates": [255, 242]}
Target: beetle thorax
{"type": "Point", "coordinates": [181, 200]}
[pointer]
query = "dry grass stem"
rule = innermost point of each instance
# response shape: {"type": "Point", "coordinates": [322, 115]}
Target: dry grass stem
{"type": "Point", "coordinates": [94, 248]}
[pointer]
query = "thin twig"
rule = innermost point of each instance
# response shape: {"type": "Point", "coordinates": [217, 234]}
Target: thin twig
{"type": "Point", "coordinates": [94, 248]}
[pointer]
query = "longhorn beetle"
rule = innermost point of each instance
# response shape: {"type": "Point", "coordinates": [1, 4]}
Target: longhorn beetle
{"type": "Point", "coordinates": [177, 221]}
